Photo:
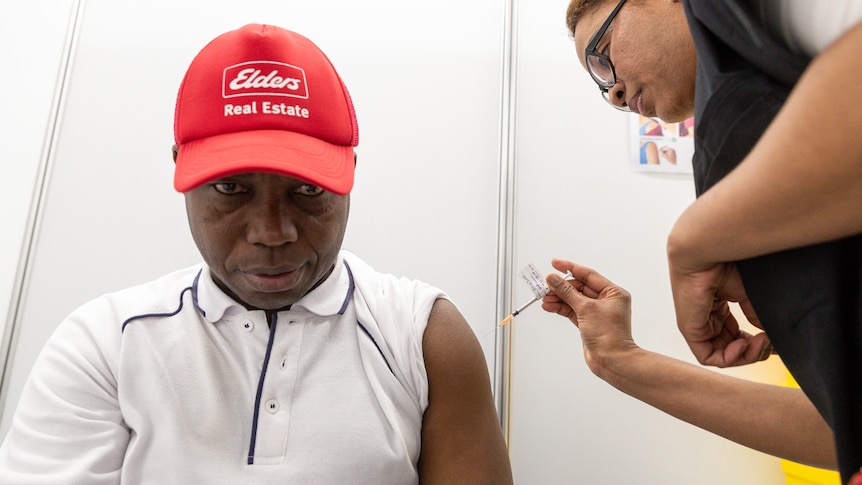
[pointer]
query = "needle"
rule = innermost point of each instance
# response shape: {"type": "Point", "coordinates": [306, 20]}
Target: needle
{"type": "Point", "coordinates": [519, 310]}
{"type": "Point", "coordinates": [525, 305]}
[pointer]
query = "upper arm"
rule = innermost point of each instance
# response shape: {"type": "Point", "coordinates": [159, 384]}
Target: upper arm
{"type": "Point", "coordinates": [798, 185]}
{"type": "Point", "coordinates": [462, 441]}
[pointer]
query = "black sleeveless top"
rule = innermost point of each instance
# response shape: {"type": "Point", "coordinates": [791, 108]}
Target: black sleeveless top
{"type": "Point", "coordinates": [809, 299]}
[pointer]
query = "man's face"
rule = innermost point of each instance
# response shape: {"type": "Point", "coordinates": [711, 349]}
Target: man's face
{"type": "Point", "coordinates": [268, 239]}
{"type": "Point", "coordinates": [653, 55]}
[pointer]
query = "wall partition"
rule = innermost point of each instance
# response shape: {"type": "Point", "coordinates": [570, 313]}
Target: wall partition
{"type": "Point", "coordinates": [483, 147]}
{"type": "Point", "coordinates": [31, 89]}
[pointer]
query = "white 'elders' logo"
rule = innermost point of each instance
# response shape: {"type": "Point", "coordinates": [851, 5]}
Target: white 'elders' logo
{"type": "Point", "coordinates": [268, 78]}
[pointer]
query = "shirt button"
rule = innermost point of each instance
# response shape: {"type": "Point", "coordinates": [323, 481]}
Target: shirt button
{"type": "Point", "coordinates": [248, 325]}
{"type": "Point", "coordinates": [272, 406]}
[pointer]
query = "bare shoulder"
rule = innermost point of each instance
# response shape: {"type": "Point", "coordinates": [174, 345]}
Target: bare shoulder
{"type": "Point", "coordinates": [462, 441]}
{"type": "Point", "coordinates": [448, 335]}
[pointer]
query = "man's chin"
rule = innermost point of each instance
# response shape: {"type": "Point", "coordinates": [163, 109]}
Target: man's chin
{"type": "Point", "coordinates": [675, 116]}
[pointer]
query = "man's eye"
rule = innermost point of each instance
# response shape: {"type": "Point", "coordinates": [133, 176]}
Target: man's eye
{"type": "Point", "coordinates": [228, 188]}
{"type": "Point", "coordinates": [309, 189]}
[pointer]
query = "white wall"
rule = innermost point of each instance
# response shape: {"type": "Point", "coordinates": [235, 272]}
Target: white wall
{"type": "Point", "coordinates": [427, 81]}
{"type": "Point", "coordinates": [27, 92]}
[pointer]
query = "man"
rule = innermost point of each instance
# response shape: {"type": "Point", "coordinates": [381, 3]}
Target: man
{"type": "Point", "coordinates": [778, 209]}
{"type": "Point", "coordinates": [281, 358]}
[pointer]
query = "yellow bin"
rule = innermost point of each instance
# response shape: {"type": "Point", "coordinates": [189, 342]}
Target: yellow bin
{"type": "Point", "coordinates": [798, 474]}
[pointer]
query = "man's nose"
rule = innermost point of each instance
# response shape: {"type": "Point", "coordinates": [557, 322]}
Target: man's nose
{"type": "Point", "coordinates": [617, 95]}
{"type": "Point", "coordinates": [272, 224]}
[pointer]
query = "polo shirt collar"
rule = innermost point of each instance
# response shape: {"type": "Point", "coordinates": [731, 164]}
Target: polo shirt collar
{"type": "Point", "coordinates": [329, 298]}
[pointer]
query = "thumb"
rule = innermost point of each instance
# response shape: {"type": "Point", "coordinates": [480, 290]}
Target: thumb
{"type": "Point", "coordinates": [563, 289]}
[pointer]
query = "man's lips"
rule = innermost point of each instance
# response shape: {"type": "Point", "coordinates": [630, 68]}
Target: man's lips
{"type": "Point", "coordinates": [636, 103]}
{"type": "Point", "coordinates": [272, 279]}
{"type": "Point", "coordinates": [261, 271]}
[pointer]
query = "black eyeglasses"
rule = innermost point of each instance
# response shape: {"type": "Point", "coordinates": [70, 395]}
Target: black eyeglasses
{"type": "Point", "coordinates": [599, 65]}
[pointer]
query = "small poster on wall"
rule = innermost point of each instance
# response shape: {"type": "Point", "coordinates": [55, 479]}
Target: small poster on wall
{"type": "Point", "coordinates": [657, 146]}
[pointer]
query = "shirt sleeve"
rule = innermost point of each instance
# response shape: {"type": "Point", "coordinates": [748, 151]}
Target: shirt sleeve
{"type": "Point", "coordinates": [68, 427]}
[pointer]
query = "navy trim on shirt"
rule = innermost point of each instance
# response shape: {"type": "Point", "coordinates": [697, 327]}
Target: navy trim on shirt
{"type": "Point", "coordinates": [157, 315]}
{"type": "Point", "coordinates": [349, 295]}
{"type": "Point", "coordinates": [365, 330]}
{"type": "Point", "coordinates": [375, 344]}
{"type": "Point", "coordinates": [272, 325]}
{"type": "Point", "coordinates": [194, 291]}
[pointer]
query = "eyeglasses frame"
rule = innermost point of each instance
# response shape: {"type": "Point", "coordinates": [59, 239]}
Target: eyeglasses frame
{"type": "Point", "coordinates": [591, 51]}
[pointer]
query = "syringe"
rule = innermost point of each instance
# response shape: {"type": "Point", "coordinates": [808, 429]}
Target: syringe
{"type": "Point", "coordinates": [536, 298]}
{"type": "Point", "coordinates": [519, 310]}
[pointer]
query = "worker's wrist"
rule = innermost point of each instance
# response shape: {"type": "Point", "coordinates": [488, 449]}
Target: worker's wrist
{"type": "Point", "coordinates": [617, 363]}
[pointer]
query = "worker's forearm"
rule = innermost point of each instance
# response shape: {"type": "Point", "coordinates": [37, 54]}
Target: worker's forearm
{"type": "Point", "coordinates": [773, 419]}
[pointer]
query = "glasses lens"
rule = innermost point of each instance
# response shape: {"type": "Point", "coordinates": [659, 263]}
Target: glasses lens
{"type": "Point", "coordinates": [601, 70]}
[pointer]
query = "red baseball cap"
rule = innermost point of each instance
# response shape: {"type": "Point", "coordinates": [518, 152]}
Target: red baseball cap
{"type": "Point", "coordinates": [264, 99]}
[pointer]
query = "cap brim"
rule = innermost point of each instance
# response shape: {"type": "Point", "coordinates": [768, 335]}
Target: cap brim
{"type": "Point", "coordinates": [276, 151]}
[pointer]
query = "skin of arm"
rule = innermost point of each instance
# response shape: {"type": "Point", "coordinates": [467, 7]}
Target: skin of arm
{"type": "Point", "coordinates": [462, 440]}
{"type": "Point", "coordinates": [764, 417]}
{"type": "Point", "coordinates": [801, 184]}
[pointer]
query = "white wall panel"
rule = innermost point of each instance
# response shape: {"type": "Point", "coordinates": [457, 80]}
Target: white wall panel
{"type": "Point", "coordinates": [32, 39]}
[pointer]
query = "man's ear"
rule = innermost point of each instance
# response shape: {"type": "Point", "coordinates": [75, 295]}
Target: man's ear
{"type": "Point", "coordinates": [175, 150]}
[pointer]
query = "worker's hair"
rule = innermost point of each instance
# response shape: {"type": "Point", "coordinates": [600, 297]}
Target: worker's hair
{"type": "Point", "coordinates": [576, 9]}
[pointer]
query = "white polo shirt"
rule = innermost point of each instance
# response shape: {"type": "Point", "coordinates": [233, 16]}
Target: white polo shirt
{"type": "Point", "coordinates": [175, 382]}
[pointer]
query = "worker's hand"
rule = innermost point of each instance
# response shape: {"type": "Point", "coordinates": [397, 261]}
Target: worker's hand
{"type": "Point", "coordinates": [600, 309]}
{"type": "Point", "coordinates": [701, 298]}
